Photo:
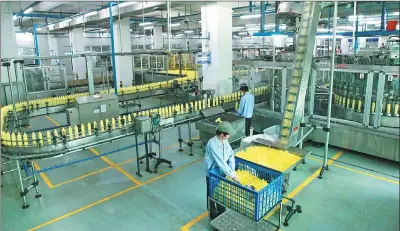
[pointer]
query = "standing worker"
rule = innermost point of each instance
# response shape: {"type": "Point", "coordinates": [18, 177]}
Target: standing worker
{"type": "Point", "coordinates": [246, 107]}
{"type": "Point", "coordinates": [219, 154]}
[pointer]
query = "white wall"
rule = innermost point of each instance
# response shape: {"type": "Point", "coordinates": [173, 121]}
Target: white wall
{"type": "Point", "coordinates": [25, 40]}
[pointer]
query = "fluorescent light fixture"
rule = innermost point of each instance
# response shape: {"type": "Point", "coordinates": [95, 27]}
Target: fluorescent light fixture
{"type": "Point", "coordinates": [237, 28]}
{"type": "Point", "coordinates": [251, 25]}
{"type": "Point", "coordinates": [200, 21]}
{"type": "Point", "coordinates": [179, 35]}
{"type": "Point", "coordinates": [51, 26]}
{"type": "Point", "coordinates": [15, 17]}
{"type": "Point", "coordinates": [328, 36]}
{"type": "Point", "coordinates": [90, 14]}
{"type": "Point", "coordinates": [126, 4]}
{"type": "Point", "coordinates": [242, 33]}
{"type": "Point", "coordinates": [102, 29]}
{"type": "Point", "coordinates": [322, 30]}
{"type": "Point", "coordinates": [282, 27]}
{"type": "Point", "coordinates": [250, 16]}
{"type": "Point", "coordinates": [39, 28]}
{"type": "Point", "coordinates": [395, 13]}
{"type": "Point", "coordinates": [373, 22]}
{"type": "Point", "coordinates": [27, 11]}
{"type": "Point", "coordinates": [253, 29]}
{"type": "Point", "coordinates": [174, 24]}
{"type": "Point", "coordinates": [145, 23]}
{"type": "Point", "coordinates": [188, 31]}
{"type": "Point", "coordinates": [148, 28]}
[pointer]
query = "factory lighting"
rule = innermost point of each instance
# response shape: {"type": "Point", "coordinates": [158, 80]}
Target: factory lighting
{"type": "Point", "coordinates": [51, 26]}
{"type": "Point", "coordinates": [253, 29]}
{"type": "Point", "coordinates": [102, 29]}
{"type": "Point", "coordinates": [395, 13]}
{"type": "Point", "coordinates": [250, 16]}
{"type": "Point", "coordinates": [90, 14]}
{"type": "Point", "coordinates": [179, 35]}
{"type": "Point", "coordinates": [373, 22]}
{"type": "Point", "coordinates": [15, 17]}
{"type": "Point", "coordinates": [188, 31]}
{"type": "Point", "coordinates": [328, 36]}
{"type": "Point", "coordinates": [251, 25]}
{"type": "Point", "coordinates": [237, 28]}
{"type": "Point", "coordinates": [39, 28]}
{"type": "Point", "coordinates": [126, 4]}
{"type": "Point", "coordinates": [27, 11]}
{"type": "Point", "coordinates": [200, 21]}
{"type": "Point", "coordinates": [174, 24]}
{"type": "Point", "coordinates": [148, 28]}
{"type": "Point", "coordinates": [145, 23]}
{"type": "Point", "coordinates": [242, 33]}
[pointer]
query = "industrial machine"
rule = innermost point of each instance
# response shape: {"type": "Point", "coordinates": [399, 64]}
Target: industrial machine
{"type": "Point", "coordinates": [207, 126]}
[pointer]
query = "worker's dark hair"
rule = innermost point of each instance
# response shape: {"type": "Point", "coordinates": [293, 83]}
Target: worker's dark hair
{"type": "Point", "coordinates": [244, 88]}
{"type": "Point", "coordinates": [218, 132]}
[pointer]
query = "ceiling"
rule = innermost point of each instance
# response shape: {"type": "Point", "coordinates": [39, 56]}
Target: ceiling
{"type": "Point", "coordinates": [187, 13]}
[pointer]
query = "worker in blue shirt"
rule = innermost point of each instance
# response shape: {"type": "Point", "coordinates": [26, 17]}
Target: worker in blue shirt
{"type": "Point", "coordinates": [219, 155]}
{"type": "Point", "coordinates": [246, 107]}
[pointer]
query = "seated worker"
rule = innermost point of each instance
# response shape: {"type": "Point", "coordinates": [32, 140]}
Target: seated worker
{"type": "Point", "coordinates": [219, 154]}
{"type": "Point", "coordinates": [246, 108]}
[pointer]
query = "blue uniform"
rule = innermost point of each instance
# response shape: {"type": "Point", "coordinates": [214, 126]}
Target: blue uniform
{"type": "Point", "coordinates": [246, 105]}
{"type": "Point", "coordinates": [220, 155]}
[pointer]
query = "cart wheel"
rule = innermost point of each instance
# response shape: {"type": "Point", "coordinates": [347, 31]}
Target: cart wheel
{"type": "Point", "coordinates": [285, 224]}
{"type": "Point", "coordinates": [298, 209]}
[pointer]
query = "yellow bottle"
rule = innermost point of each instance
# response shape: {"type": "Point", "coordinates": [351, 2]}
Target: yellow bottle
{"type": "Point", "coordinates": [129, 119]}
{"type": "Point", "coordinates": [208, 102]}
{"type": "Point", "coordinates": [63, 133]}
{"type": "Point", "coordinates": [13, 140]}
{"type": "Point", "coordinates": [48, 136]}
{"type": "Point", "coordinates": [195, 105]}
{"type": "Point", "coordinates": [113, 123]}
{"type": "Point", "coordinates": [55, 133]}
{"type": "Point", "coordinates": [388, 107]}
{"type": "Point", "coordinates": [34, 141]}
{"type": "Point", "coordinates": [236, 106]}
{"type": "Point", "coordinates": [134, 115]}
{"type": "Point", "coordinates": [40, 138]}
{"type": "Point", "coordinates": [83, 130]}
{"type": "Point", "coordinates": [94, 125]}
{"type": "Point", "coordinates": [120, 121]}
{"type": "Point", "coordinates": [359, 105]}
{"type": "Point", "coordinates": [76, 131]}
{"type": "Point", "coordinates": [373, 107]}
{"type": "Point", "coordinates": [187, 108]}
{"type": "Point", "coordinates": [181, 108]}
{"type": "Point", "coordinates": [107, 123]}
{"type": "Point", "coordinates": [70, 133]}
{"type": "Point", "coordinates": [25, 139]}
{"type": "Point", "coordinates": [217, 101]}
{"type": "Point", "coordinates": [101, 126]}
{"type": "Point", "coordinates": [19, 140]}
{"type": "Point", "coordinates": [396, 109]}
{"type": "Point", "coordinates": [147, 113]}
{"type": "Point", "coordinates": [353, 105]}
{"type": "Point", "coordinates": [89, 128]}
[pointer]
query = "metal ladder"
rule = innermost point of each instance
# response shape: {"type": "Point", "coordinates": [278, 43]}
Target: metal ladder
{"type": "Point", "coordinates": [294, 108]}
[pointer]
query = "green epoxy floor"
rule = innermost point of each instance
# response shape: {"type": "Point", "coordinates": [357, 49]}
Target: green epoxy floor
{"type": "Point", "coordinates": [345, 199]}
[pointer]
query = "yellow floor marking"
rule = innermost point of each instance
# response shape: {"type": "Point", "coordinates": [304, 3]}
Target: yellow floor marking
{"type": "Point", "coordinates": [44, 177]}
{"type": "Point", "coordinates": [111, 196]}
{"type": "Point", "coordinates": [83, 176]}
{"type": "Point", "coordinates": [358, 171]}
{"type": "Point", "coordinates": [290, 195]}
{"type": "Point", "coordinates": [194, 221]}
{"type": "Point", "coordinates": [52, 120]}
{"type": "Point", "coordinates": [106, 168]}
{"type": "Point", "coordinates": [116, 167]}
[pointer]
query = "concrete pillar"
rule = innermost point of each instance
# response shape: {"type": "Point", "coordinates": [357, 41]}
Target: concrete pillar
{"type": "Point", "coordinates": [158, 38]}
{"type": "Point", "coordinates": [216, 22]}
{"type": "Point", "coordinates": [77, 45]}
{"type": "Point", "coordinates": [122, 40]}
{"type": "Point", "coordinates": [8, 39]}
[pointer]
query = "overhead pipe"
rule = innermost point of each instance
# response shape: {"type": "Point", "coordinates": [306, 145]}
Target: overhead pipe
{"type": "Point", "coordinates": [276, 17]}
{"type": "Point", "coordinates": [36, 41]}
{"type": "Point", "coordinates": [262, 24]}
{"type": "Point", "coordinates": [41, 15]}
{"type": "Point", "coordinates": [30, 6]}
{"type": "Point", "coordinates": [383, 14]}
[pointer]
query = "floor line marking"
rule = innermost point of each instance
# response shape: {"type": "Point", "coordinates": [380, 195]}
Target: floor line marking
{"type": "Point", "coordinates": [83, 176]}
{"type": "Point", "coordinates": [194, 221]}
{"type": "Point", "coordinates": [187, 226]}
{"type": "Point", "coordinates": [116, 166]}
{"type": "Point", "coordinates": [43, 175]}
{"type": "Point", "coordinates": [112, 196]}
{"type": "Point", "coordinates": [105, 169]}
{"type": "Point", "coordinates": [358, 171]}
{"type": "Point", "coordinates": [52, 120]}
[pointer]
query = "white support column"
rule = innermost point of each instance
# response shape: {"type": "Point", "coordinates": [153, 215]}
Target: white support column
{"type": "Point", "coordinates": [158, 38]}
{"type": "Point", "coordinates": [8, 39]}
{"type": "Point", "coordinates": [122, 37]}
{"type": "Point", "coordinates": [216, 22]}
{"type": "Point", "coordinates": [78, 64]}
{"type": "Point", "coordinates": [53, 49]}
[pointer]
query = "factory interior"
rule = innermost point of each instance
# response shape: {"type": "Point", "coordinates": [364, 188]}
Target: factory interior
{"type": "Point", "coordinates": [200, 115]}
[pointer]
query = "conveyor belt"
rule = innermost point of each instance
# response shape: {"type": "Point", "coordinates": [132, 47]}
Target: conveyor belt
{"type": "Point", "coordinates": [224, 117]}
